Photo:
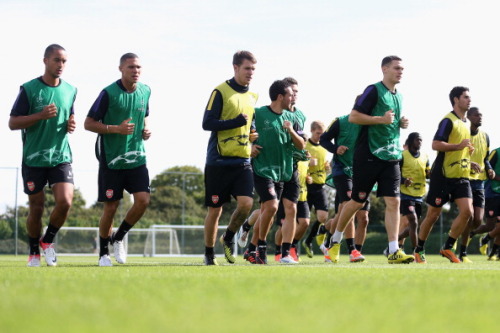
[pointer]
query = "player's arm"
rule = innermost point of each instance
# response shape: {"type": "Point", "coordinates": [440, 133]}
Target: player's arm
{"type": "Point", "coordinates": [407, 181]}
{"type": "Point", "coordinates": [427, 170]}
{"type": "Point", "coordinates": [297, 140]}
{"type": "Point", "coordinates": [300, 131]}
{"type": "Point", "coordinates": [487, 166]}
{"type": "Point", "coordinates": [71, 125]}
{"type": "Point", "coordinates": [213, 111]}
{"type": "Point", "coordinates": [20, 117]}
{"type": "Point", "coordinates": [146, 132]}
{"type": "Point", "coordinates": [401, 171]}
{"type": "Point", "coordinates": [360, 118]}
{"type": "Point", "coordinates": [93, 122]}
{"type": "Point", "coordinates": [331, 134]}
{"type": "Point", "coordinates": [493, 159]}
{"type": "Point", "coordinates": [361, 113]}
{"type": "Point", "coordinates": [440, 142]}
{"type": "Point", "coordinates": [253, 136]}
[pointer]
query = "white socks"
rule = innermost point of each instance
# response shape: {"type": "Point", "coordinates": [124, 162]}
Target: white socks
{"type": "Point", "coordinates": [337, 236]}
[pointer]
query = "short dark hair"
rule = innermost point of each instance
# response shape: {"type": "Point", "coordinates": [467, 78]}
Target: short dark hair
{"type": "Point", "coordinates": [290, 80]}
{"type": "Point", "coordinates": [472, 110]}
{"type": "Point", "coordinates": [126, 56]}
{"type": "Point", "coordinates": [278, 88]}
{"type": "Point", "coordinates": [411, 138]}
{"type": "Point", "coordinates": [239, 56]}
{"type": "Point", "coordinates": [387, 60]}
{"type": "Point", "coordinates": [457, 92]}
{"type": "Point", "coordinates": [51, 48]}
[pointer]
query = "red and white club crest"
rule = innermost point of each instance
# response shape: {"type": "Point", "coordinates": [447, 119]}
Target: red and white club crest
{"type": "Point", "coordinates": [411, 208]}
{"type": "Point", "coordinates": [438, 201]}
{"type": "Point", "coordinates": [31, 186]}
{"type": "Point", "coordinates": [109, 194]}
{"type": "Point", "coordinates": [491, 213]}
{"type": "Point", "coordinates": [272, 191]}
{"type": "Point", "coordinates": [362, 195]}
{"type": "Point", "coordinates": [215, 199]}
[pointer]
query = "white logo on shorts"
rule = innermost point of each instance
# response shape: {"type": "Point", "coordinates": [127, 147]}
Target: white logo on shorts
{"type": "Point", "coordinates": [272, 191]}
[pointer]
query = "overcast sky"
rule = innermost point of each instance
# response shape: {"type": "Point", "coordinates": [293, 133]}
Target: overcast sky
{"type": "Point", "coordinates": [333, 48]}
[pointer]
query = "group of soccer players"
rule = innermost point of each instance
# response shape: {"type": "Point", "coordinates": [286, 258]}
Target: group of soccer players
{"type": "Point", "coordinates": [266, 148]}
{"type": "Point", "coordinates": [43, 111]}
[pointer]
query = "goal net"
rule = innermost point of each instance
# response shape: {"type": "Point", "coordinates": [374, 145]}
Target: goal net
{"type": "Point", "coordinates": [157, 240]}
{"type": "Point", "coordinates": [161, 240]}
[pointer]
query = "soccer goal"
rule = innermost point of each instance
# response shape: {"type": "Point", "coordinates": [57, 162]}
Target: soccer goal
{"type": "Point", "coordinates": [157, 240]}
{"type": "Point", "coordinates": [161, 240]}
{"type": "Point", "coordinates": [179, 240]}
{"type": "Point", "coordinates": [84, 241]}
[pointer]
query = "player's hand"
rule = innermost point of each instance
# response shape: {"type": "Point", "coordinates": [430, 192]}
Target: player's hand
{"type": "Point", "coordinates": [146, 133]}
{"type": "Point", "coordinates": [309, 179]}
{"type": "Point", "coordinates": [48, 111]}
{"type": "Point", "coordinates": [341, 150]}
{"type": "Point", "coordinates": [255, 151]}
{"type": "Point", "coordinates": [253, 136]}
{"type": "Point", "coordinates": [475, 167]}
{"type": "Point", "coordinates": [464, 143]}
{"type": "Point", "coordinates": [71, 124]}
{"type": "Point", "coordinates": [126, 128]}
{"type": "Point", "coordinates": [327, 167]}
{"type": "Point", "coordinates": [408, 181]}
{"type": "Point", "coordinates": [404, 122]}
{"type": "Point", "coordinates": [491, 174]}
{"type": "Point", "coordinates": [388, 117]}
{"type": "Point", "coordinates": [287, 125]}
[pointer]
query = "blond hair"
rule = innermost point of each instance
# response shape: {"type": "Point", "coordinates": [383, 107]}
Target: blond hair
{"type": "Point", "coordinates": [317, 124]}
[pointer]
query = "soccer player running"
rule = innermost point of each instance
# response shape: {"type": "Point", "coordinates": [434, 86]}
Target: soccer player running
{"type": "Point", "coordinates": [274, 165]}
{"type": "Point", "coordinates": [229, 116]}
{"type": "Point", "coordinates": [44, 113]}
{"type": "Point", "coordinates": [450, 174]}
{"type": "Point", "coordinates": [344, 135]}
{"type": "Point", "coordinates": [316, 192]}
{"type": "Point", "coordinates": [303, 214]}
{"type": "Point", "coordinates": [377, 155]}
{"type": "Point", "coordinates": [492, 195]}
{"type": "Point", "coordinates": [414, 171]}
{"type": "Point", "coordinates": [480, 171]}
{"type": "Point", "coordinates": [119, 117]}
{"type": "Point", "coordinates": [290, 190]}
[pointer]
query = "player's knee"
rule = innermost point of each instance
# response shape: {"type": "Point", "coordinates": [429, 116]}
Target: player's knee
{"type": "Point", "coordinates": [36, 208]}
{"type": "Point", "coordinates": [245, 206]}
{"type": "Point", "coordinates": [362, 222]}
{"type": "Point", "coordinates": [142, 201]}
{"type": "Point", "coordinates": [64, 204]}
{"type": "Point", "coordinates": [412, 222]}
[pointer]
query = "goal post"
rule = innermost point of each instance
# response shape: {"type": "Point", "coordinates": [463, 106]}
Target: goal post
{"type": "Point", "coordinates": [156, 241]}
{"type": "Point", "coordinates": [161, 241]}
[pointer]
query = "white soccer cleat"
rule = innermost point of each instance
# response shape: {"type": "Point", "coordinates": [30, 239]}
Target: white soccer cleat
{"type": "Point", "coordinates": [243, 239]}
{"type": "Point", "coordinates": [288, 260]}
{"type": "Point", "coordinates": [119, 251]}
{"type": "Point", "coordinates": [323, 249]}
{"type": "Point", "coordinates": [49, 253]}
{"type": "Point", "coordinates": [105, 261]}
{"type": "Point", "coordinates": [34, 260]}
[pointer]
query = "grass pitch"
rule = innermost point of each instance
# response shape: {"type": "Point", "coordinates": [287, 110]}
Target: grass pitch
{"type": "Point", "coordinates": [182, 295]}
